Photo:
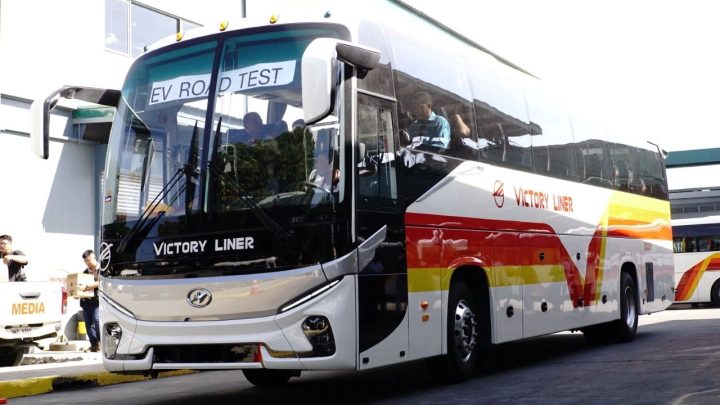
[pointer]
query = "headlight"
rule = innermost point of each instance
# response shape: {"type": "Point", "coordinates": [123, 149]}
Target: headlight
{"type": "Point", "coordinates": [318, 331]}
{"type": "Point", "coordinates": [111, 339]}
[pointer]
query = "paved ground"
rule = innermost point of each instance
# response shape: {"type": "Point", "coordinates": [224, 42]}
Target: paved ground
{"type": "Point", "coordinates": [46, 371]}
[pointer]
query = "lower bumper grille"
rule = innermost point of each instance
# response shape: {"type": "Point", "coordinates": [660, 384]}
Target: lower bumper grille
{"type": "Point", "coordinates": [220, 353]}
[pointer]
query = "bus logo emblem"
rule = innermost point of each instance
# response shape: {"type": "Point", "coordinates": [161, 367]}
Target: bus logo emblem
{"type": "Point", "coordinates": [199, 297]}
{"type": "Point", "coordinates": [499, 193]}
{"type": "Point", "coordinates": [105, 255]}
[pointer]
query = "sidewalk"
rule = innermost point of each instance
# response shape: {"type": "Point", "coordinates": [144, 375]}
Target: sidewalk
{"type": "Point", "coordinates": [47, 371]}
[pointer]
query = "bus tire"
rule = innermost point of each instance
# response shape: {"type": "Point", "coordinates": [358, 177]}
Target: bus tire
{"type": "Point", "coordinates": [715, 294]}
{"type": "Point", "coordinates": [11, 356]}
{"type": "Point", "coordinates": [463, 336]}
{"type": "Point", "coordinates": [626, 327]}
{"type": "Point", "coordinates": [620, 330]}
{"type": "Point", "coordinates": [268, 378]}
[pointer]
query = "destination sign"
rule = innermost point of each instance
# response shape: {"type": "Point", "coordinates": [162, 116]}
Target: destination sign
{"type": "Point", "coordinates": [232, 81]}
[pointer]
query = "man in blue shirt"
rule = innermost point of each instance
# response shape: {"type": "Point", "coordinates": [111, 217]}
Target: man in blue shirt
{"type": "Point", "coordinates": [428, 127]}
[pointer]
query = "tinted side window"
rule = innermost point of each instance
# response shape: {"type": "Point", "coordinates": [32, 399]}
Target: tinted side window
{"type": "Point", "coordinates": [651, 173]}
{"type": "Point", "coordinates": [592, 154]}
{"type": "Point", "coordinates": [463, 136]}
{"type": "Point", "coordinates": [377, 184]}
{"type": "Point", "coordinates": [624, 167]}
{"type": "Point", "coordinates": [552, 139]}
{"type": "Point", "coordinates": [501, 119]}
{"type": "Point", "coordinates": [378, 80]}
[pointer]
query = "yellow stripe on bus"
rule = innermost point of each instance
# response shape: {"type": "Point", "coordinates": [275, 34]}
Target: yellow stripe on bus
{"type": "Point", "coordinates": [638, 208]}
{"type": "Point", "coordinates": [437, 279]}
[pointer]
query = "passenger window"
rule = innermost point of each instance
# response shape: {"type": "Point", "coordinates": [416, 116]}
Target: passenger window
{"type": "Point", "coordinates": [463, 136]}
{"type": "Point", "coordinates": [502, 124]}
{"type": "Point", "coordinates": [377, 183]}
{"type": "Point", "coordinates": [552, 138]}
{"type": "Point", "coordinates": [426, 126]}
{"type": "Point", "coordinates": [592, 154]}
{"type": "Point", "coordinates": [624, 169]}
{"type": "Point", "coordinates": [651, 173]}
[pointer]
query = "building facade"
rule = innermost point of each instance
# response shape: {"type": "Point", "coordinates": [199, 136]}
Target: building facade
{"type": "Point", "coordinates": [51, 207]}
{"type": "Point", "coordinates": [694, 190]}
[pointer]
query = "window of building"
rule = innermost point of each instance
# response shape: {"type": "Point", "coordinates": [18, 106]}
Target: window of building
{"type": "Point", "coordinates": [116, 25]}
{"type": "Point", "coordinates": [149, 26]}
{"type": "Point", "coordinates": [130, 27]}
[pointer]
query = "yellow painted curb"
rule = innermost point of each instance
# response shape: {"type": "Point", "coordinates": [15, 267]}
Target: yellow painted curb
{"type": "Point", "coordinates": [43, 385]}
{"type": "Point", "coordinates": [30, 386]}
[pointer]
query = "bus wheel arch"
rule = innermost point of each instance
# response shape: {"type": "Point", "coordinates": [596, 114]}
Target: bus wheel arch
{"type": "Point", "coordinates": [629, 304]}
{"type": "Point", "coordinates": [624, 329]}
{"type": "Point", "coordinates": [715, 294]}
{"type": "Point", "coordinates": [476, 279]}
{"type": "Point", "coordinates": [468, 325]}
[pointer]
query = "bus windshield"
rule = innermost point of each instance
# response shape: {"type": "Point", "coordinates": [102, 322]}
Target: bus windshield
{"type": "Point", "coordinates": [252, 162]}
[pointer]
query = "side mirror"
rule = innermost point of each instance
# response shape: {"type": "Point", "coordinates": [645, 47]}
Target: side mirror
{"type": "Point", "coordinates": [319, 73]}
{"type": "Point", "coordinates": [40, 112]}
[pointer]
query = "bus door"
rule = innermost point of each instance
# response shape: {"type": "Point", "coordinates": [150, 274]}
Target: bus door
{"type": "Point", "coordinates": [382, 283]}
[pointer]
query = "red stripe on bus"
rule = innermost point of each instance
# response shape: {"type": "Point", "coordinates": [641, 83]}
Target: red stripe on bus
{"type": "Point", "coordinates": [435, 241]}
{"type": "Point", "coordinates": [691, 278]}
{"type": "Point", "coordinates": [688, 282]}
{"type": "Point", "coordinates": [714, 264]}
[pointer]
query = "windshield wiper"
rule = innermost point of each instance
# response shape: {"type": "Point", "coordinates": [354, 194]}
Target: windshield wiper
{"type": "Point", "coordinates": [188, 171]}
{"type": "Point", "coordinates": [276, 229]}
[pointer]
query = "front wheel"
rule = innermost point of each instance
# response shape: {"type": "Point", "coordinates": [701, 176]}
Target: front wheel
{"type": "Point", "coordinates": [268, 378]}
{"type": "Point", "coordinates": [463, 337]}
{"type": "Point", "coordinates": [11, 356]}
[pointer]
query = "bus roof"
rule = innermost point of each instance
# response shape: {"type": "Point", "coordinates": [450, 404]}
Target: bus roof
{"type": "Point", "coordinates": [351, 19]}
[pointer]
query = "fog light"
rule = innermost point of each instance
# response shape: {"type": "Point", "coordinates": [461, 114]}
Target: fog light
{"type": "Point", "coordinates": [318, 331]}
{"type": "Point", "coordinates": [111, 339]}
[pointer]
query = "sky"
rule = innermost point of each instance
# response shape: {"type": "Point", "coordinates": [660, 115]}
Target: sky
{"type": "Point", "coordinates": [646, 68]}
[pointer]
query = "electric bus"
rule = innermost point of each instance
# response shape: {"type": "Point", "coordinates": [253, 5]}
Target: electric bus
{"type": "Point", "coordinates": [334, 235]}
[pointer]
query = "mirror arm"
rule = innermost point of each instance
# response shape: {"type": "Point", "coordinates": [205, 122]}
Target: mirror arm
{"type": "Point", "coordinates": [40, 111]}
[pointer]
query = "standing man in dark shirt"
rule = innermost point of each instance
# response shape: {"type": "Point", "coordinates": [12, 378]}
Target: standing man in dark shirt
{"type": "Point", "coordinates": [91, 306]}
{"type": "Point", "coordinates": [15, 260]}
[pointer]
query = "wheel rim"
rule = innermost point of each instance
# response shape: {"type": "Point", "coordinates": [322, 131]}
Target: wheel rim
{"type": "Point", "coordinates": [465, 330]}
{"type": "Point", "coordinates": [630, 307]}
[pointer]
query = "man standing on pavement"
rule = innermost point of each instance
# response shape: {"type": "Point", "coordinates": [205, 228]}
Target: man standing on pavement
{"type": "Point", "coordinates": [90, 306]}
{"type": "Point", "coordinates": [15, 260]}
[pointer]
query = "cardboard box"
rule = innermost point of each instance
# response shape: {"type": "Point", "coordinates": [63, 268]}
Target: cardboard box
{"type": "Point", "coordinates": [75, 284]}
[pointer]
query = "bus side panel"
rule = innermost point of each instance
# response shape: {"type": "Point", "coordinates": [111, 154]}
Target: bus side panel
{"type": "Point", "coordinates": [433, 253]}
{"type": "Point", "coordinates": [639, 233]}
{"type": "Point", "coordinates": [695, 273]}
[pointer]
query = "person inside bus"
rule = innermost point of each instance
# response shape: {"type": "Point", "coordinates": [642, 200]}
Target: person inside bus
{"type": "Point", "coordinates": [428, 128]}
{"type": "Point", "coordinates": [462, 144]}
{"type": "Point", "coordinates": [254, 130]}
{"type": "Point", "coordinates": [15, 260]}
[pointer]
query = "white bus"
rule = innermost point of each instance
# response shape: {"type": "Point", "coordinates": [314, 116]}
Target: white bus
{"type": "Point", "coordinates": [337, 234]}
{"type": "Point", "coordinates": [696, 243]}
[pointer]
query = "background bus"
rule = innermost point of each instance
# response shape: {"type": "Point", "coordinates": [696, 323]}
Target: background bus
{"type": "Point", "coordinates": [696, 244]}
{"type": "Point", "coordinates": [337, 237]}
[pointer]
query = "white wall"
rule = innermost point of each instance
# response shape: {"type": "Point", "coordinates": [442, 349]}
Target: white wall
{"type": "Point", "coordinates": [48, 205]}
{"type": "Point", "coordinates": [44, 45]}
{"type": "Point", "coordinates": [53, 43]}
